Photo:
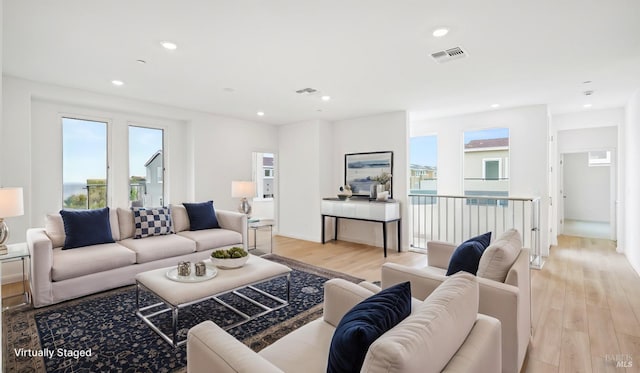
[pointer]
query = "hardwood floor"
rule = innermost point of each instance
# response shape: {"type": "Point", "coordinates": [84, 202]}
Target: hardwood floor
{"type": "Point", "coordinates": [585, 301]}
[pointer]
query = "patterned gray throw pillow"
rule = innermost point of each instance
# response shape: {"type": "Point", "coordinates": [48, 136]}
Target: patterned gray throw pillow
{"type": "Point", "coordinates": [151, 221]}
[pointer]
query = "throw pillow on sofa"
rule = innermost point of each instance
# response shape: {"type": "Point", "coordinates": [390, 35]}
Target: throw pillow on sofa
{"type": "Point", "coordinates": [86, 228]}
{"type": "Point", "coordinates": [364, 323]}
{"type": "Point", "coordinates": [500, 256]}
{"type": "Point", "coordinates": [466, 257]}
{"type": "Point", "coordinates": [151, 221]}
{"type": "Point", "coordinates": [201, 215]}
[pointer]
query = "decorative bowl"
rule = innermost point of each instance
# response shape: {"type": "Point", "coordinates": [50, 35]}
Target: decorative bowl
{"type": "Point", "coordinates": [229, 263]}
{"type": "Point", "coordinates": [343, 197]}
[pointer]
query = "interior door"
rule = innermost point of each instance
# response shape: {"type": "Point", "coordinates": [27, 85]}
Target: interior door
{"type": "Point", "coordinates": [561, 195]}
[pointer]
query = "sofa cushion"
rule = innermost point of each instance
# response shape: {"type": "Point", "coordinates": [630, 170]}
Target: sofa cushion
{"type": "Point", "coordinates": [498, 258]}
{"type": "Point", "coordinates": [54, 227]}
{"type": "Point", "coordinates": [213, 238]}
{"type": "Point", "coordinates": [179, 218]}
{"type": "Point", "coordinates": [88, 260]}
{"type": "Point", "coordinates": [427, 339]}
{"type": "Point", "coordinates": [151, 221]}
{"type": "Point", "coordinates": [201, 215]}
{"type": "Point", "coordinates": [86, 227]}
{"type": "Point", "coordinates": [159, 247]}
{"type": "Point", "coordinates": [466, 257]}
{"type": "Point", "coordinates": [365, 323]}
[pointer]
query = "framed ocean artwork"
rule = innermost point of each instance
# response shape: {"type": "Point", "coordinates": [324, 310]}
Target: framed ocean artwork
{"type": "Point", "coordinates": [362, 170]}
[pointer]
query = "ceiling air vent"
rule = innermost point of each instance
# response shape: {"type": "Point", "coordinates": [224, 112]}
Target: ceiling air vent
{"type": "Point", "coordinates": [448, 55]}
{"type": "Point", "coordinates": [307, 91]}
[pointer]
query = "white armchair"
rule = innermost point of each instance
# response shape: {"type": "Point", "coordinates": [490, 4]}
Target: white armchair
{"type": "Point", "coordinates": [442, 333]}
{"type": "Point", "coordinates": [507, 301]}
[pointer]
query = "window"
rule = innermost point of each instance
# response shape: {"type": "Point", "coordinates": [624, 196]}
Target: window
{"type": "Point", "coordinates": [492, 169]}
{"type": "Point", "coordinates": [423, 159]}
{"type": "Point", "coordinates": [600, 158]}
{"type": "Point", "coordinates": [263, 174]}
{"type": "Point", "coordinates": [146, 166]}
{"type": "Point", "coordinates": [84, 164]}
{"type": "Point", "coordinates": [486, 163]}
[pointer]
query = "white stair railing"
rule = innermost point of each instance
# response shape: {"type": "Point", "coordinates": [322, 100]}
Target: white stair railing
{"type": "Point", "coordinates": [457, 218]}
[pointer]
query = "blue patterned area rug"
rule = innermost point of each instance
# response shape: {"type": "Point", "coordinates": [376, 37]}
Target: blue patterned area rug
{"type": "Point", "coordinates": [105, 327]}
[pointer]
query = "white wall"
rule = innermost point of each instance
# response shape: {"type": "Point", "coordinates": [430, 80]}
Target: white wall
{"type": "Point", "coordinates": [528, 145]}
{"type": "Point", "coordinates": [589, 119]}
{"type": "Point", "coordinates": [303, 156]}
{"type": "Point", "coordinates": [205, 152]}
{"type": "Point", "coordinates": [384, 132]}
{"type": "Point", "coordinates": [631, 197]}
{"type": "Point", "coordinates": [587, 139]}
{"type": "Point", "coordinates": [587, 189]}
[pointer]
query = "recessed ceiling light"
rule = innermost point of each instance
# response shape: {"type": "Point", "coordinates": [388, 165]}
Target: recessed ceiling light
{"type": "Point", "coordinates": [141, 62]}
{"type": "Point", "coordinates": [117, 82]}
{"type": "Point", "coordinates": [260, 114]}
{"type": "Point", "coordinates": [495, 105]}
{"type": "Point", "coordinates": [325, 98]}
{"type": "Point", "coordinates": [169, 45]}
{"type": "Point", "coordinates": [586, 106]}
{"type": "Point", "coordinates": [440, 32]}
{"type": "Point", "coordinates": [587, 82]}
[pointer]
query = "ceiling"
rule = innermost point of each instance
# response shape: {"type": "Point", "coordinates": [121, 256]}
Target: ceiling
{"type": "Point", "coordinates": [238, 57]}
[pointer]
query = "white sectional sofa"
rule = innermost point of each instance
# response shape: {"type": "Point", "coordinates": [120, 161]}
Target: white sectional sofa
{"type": "Point", "coordinates": [58, 275]}
{"type": "Point", "coordinates": [443, 333]}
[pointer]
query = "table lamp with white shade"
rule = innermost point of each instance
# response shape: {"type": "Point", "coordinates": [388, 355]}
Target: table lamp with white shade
{"type": "Point", "coordinates": [11, 204]}
{"type": "Point", "coordinates": [243, 190]}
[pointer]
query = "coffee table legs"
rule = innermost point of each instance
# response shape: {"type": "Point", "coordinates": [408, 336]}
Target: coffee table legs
{"type": "Point", "coordinates": [175, 309]}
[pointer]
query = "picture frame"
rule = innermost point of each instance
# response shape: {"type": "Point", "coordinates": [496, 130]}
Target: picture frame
{"type": "Point", "coordinates": [361, 170]}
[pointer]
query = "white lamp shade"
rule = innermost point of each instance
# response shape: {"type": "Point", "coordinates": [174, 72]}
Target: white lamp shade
{"type": "Point", "coordinates": [11, 202]}
{"type": "Point", "coordinates": [243, 189]}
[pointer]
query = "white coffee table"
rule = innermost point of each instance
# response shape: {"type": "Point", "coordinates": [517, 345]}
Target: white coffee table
{"type": "Point", "coordinates": [177, 295]}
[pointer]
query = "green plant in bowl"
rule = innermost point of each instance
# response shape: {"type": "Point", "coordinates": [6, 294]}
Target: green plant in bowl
{"type": "Point", "coordinates": [234, 257]}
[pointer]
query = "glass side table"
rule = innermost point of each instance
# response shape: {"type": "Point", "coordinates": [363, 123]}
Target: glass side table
{"type": "Point", "coordinates": [14, 253]}
{"type": "Point", "coordinates": [255, 226]}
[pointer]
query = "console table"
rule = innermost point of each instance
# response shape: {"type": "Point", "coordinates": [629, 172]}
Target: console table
{"type": "Point", "coordinates": [362, 209]}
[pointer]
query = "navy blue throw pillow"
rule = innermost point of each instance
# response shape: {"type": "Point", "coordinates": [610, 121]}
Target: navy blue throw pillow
{"type": "Point", "coordinates": [364, 323]}
{"type": "Point", "coordinates": [201, 215]}
{"type": "Point", "coordinates": [467, 256]}
{"type": "Point", "coordinates": [86, 227]}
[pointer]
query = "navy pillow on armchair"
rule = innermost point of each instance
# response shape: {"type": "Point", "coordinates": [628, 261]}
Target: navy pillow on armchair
{"type": "Point", "coordinates": [201, 215]}
{"type": "Point", "coordinates": [86, 227]}
{"type": "Point", "coordinates": [364, 323]}
{"type": "Point", "coordinates": [467, 256]}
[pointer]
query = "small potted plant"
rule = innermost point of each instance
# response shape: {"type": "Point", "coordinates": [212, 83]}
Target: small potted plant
{"type": "Point", "coordinates": [234, 257]}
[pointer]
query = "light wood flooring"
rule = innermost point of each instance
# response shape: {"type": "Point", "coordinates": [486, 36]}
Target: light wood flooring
{"type": "Point", "coordinates": [585, 301]}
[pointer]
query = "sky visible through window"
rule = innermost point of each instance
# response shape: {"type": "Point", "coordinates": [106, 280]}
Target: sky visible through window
{"type": "Point", "coordinates": [424, 150]}
{"type": "Point", "coordinates": [493, 133]}
{"type": "Point", "coordinates": [85, 149]}
{"type": "Point", "coordinates": [143, 143]}
{"type": "Point", "coordinates": [84, 145]}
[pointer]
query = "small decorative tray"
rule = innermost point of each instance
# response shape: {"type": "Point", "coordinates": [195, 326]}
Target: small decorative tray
{"type": "Point", "coordinates": [172, 274]}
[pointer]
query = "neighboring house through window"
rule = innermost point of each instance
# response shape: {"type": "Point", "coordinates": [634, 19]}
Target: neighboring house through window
{"type": "Point", "coordinates": [146, 157]}
{"type": "Point", "coordinates": [486, 163]}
